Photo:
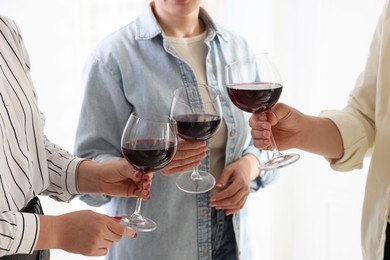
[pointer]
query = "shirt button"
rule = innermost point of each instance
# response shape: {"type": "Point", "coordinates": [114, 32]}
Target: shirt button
{"type": "Point", "coordinates": [208, 60]}
{"type": "Point", "coordinates": [233, 133]}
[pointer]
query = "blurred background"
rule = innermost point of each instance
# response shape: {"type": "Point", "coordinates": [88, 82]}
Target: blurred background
{"type": "Point", "coordinates": [319, 46]}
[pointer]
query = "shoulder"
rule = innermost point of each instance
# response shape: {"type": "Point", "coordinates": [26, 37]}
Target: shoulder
{"type": "Point", "coordinates": [11, 41]}
{"type": "Point", "coordinates": [9, 29]}
{"type": "Point", "coordinates": [231, 36]}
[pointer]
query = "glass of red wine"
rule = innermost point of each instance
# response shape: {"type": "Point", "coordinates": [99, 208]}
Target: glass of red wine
{"type": "Point", "coordinates": [254, 84]}
{"type": "Point", "coordinates": [198, 114]}
{"type": "Point", "coordinates": [148, 144]}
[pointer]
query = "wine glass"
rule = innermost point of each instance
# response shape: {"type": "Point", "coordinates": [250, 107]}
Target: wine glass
{"type": "Point", "coordinates": [148, 144]}
{"type": "Point", "coordinates": [254, 84]}
{"type": "Point", "coordinates": [197, 111]}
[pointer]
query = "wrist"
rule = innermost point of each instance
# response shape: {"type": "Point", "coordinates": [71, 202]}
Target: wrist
{"type": "Point", "coordinates": [49, 233]}
{"type": "Point", "coordinates": [87, 179]}
{"type": "Point", "coordinates": [254, 163]}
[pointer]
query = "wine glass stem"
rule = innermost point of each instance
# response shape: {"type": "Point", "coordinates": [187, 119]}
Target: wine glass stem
{"type": "Point", "coordinates": [195, 174]}
{"type": "Point", "coordinates": [138, 209]}
{"type": "Point", "coordinates": [275, 149]}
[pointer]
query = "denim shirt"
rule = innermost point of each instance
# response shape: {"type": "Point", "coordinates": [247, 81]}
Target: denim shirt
{"type": "Point", "coordinates": [136, 69]}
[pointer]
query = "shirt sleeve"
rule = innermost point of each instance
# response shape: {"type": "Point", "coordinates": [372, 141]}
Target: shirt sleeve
{"type": "Point", "coordinates": [18, 232]}
{"type": "Point", "coordinates": [356, 122]}
{"type": "Point", "coordinates": [62, 169]}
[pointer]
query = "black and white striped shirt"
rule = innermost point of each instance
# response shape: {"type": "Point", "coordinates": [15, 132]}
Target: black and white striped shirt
{"type": "Point", "coordinates": [29, 163]}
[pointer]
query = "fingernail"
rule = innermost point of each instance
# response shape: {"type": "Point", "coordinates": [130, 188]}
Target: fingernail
{"type": "Point", "coordinates": [135, 235]}
{"type": "Point", "coordinates": [145, 177]}
{"type": "Point", "coordinates": [118, 218]}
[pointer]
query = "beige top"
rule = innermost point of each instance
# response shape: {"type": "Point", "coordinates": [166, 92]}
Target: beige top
{"type": "Point", "coordinates": [365, 128]}
{"type": "Point", "coordinates": [186, 48]}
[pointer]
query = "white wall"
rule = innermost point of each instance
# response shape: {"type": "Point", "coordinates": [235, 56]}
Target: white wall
{"type": "Point", "coordinates": [320, 46]}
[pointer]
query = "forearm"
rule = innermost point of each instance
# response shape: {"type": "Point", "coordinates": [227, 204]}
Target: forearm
{"type": "Point", "coordinates": [321, 136]}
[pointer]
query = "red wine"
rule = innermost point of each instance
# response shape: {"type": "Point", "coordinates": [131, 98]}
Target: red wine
{"type": "Point", "coordinates": [149, 154]}
{"type": "Point", "coordinates": [197, 126]}
{"type": "Point", "coordinates": [253, 97]}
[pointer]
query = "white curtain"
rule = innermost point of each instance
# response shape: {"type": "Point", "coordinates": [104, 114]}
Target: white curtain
{"type": "Point", "coordinates": [320, 46]}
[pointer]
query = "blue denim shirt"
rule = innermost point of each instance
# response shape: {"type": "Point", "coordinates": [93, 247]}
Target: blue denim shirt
{"type": "Point", "coordinates": [136, 69]}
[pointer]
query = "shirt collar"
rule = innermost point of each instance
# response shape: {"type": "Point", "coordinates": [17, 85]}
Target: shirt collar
{"type": "Point", "coordinates": [147, 26]}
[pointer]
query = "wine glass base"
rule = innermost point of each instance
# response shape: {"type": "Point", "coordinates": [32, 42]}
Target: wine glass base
{"type": "Point", "coordinates": [139, 223]}
{"type": "Point", "coordinates": [280, 161]}
{"type": "Point", "coordinates": [188, 184]}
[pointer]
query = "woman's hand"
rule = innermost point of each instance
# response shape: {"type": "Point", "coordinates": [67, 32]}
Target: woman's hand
{"type": "Point", "coordinates": [234, 184]}
{"type": "Point", "coordinates": [286, 124]}
{"type": "Point", "coordinates": [81, 232]}
{"type": "Point", "coordinates": [189, 154]}
{"type": "Point", "coordinates": [115, 178]}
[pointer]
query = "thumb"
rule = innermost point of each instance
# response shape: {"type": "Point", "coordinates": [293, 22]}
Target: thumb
{"type": "Point", "coordinates": [224, 179]}
{"type": "Point", "coordinates": [277, 113]}
{"type": "Point", "coordinates": [121, 229]}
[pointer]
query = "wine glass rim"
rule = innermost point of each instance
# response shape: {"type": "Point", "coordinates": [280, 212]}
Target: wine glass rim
{"type": "Point", "coordinates": [160, 120]}
{"type": "Point", "coordinates": [214, 90]}
{"type": "Point", "coordinates": [246, 59]}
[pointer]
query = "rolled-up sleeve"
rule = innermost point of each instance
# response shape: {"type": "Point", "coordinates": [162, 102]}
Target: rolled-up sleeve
{"type": "Point", "coordinates": [62, 169]}
{"type": "Point", "coordinates": [18, 232]}
{"type": "Point", "coordinates": [355, 140]}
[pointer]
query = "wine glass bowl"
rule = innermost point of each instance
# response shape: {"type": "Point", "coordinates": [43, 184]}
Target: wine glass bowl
{"type": "Point", "coordinates": [148, 144]}
{"type": "Point", "coordinates": [198, 113]}
{"type": "Point", "coordinates": [255, 85]}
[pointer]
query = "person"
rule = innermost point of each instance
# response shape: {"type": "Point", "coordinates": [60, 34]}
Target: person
{"type": "Point", "coordinates": [137, 68]}
{"type": "Point", "coordinates": [345, 137]}
{"type": "Point", "coordinates": [31, 165]}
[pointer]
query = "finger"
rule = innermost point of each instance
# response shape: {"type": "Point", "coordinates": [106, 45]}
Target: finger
{"type": "Point", "coordinates": [180, 168]}
{"type": "Point", "coordinates": [131, 233]}
{"type": "Point", "coordinates": [116, 230]}
{"type": "Point", "coordinates": [190, 153]}
{"type": "Point", "coordinates": [224, 179]}
{"type": "Point", "coordinates": [261, 139]}
{"type": "Point", "coordinates": [187, 149]}
{"type": "Point", "coordinates": [191, 145]}
{"type": "Point", "coordinates": [231, 211]}
{"type": "Point", "coordinates": [278, 112]}
{"type": "Point", "coordinates": [100, 252]}
{"type": "Point", "coordinates": [235, 202]}
{"type": "Point", "coordinates": [106, 244]}
{"type": "Point", "coordinates": [258, 116]}
{"type": "Point", "coordinates": [224, 195]}
{"type": "Point", "coordinates": [145, 194]}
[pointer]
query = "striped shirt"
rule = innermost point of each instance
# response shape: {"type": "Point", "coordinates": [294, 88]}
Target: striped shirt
{"type": "Point", "coordinates": [29, 163]}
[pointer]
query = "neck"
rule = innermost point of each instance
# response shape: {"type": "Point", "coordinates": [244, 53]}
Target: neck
{"type": "Point", "coordinates": [183, 26]}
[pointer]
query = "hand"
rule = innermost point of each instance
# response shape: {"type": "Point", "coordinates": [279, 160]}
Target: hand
{"type": "Point", "coordinates": [81, 232]}
{"type": "Point", "coordinates": [234, 184]}
{"type": "Point", "coordinates": [189, 155]}
{"type": "Point", "coordinates": [115, 178]}
{"type": "Point", "coordinates": [285, 123]}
